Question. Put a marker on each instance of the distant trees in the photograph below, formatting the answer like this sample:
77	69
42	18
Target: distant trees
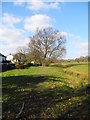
77	60
46	44
82	59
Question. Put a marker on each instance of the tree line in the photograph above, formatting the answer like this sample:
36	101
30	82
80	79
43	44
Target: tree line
78	60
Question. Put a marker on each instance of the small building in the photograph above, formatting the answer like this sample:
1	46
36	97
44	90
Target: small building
10	57
32	62
2	58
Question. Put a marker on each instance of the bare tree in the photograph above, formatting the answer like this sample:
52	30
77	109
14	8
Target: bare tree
22	49
49	43
20	56
35	56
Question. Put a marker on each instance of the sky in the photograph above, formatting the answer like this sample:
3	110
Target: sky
19	21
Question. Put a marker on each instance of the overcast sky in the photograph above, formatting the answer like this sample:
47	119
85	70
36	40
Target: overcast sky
20	20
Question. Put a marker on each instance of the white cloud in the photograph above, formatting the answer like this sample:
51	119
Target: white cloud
79	48
11	39
70	35
75	47
19	2
82	45
10	35
64	33
83	48
35	5
37	21
10	20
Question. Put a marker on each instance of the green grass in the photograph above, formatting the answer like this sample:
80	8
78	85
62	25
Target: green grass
35	86
81	68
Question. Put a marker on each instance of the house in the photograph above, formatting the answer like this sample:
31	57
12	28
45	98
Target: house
2	58
5	63
10	57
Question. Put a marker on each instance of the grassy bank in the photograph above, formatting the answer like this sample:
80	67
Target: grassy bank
57	91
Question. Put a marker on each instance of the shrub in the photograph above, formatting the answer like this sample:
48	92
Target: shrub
27	64
7	66
19	66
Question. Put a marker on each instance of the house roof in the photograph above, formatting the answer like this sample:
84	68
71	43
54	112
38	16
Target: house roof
9	54
2	55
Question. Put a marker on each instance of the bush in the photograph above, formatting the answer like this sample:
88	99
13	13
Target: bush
7	67
19	66
23	65
27	64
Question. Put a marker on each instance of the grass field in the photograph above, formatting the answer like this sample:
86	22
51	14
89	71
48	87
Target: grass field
57	91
